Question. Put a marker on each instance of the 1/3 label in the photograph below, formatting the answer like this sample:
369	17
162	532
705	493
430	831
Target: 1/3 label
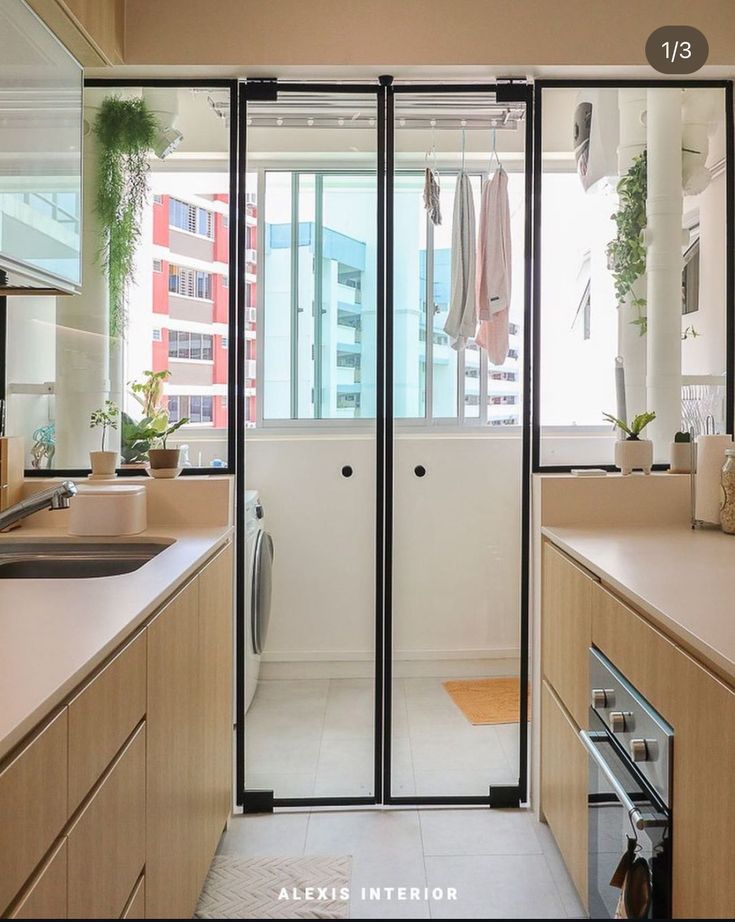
677	49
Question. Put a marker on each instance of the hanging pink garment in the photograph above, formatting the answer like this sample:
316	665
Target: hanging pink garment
494	268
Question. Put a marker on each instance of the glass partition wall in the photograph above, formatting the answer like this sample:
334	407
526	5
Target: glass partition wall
158	344
633	267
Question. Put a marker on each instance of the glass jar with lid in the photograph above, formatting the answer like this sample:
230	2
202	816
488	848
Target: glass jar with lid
727	503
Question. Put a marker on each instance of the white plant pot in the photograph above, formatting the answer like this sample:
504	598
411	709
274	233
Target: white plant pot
634	455
681	458
103	463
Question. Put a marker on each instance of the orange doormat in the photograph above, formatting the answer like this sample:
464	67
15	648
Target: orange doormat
487	701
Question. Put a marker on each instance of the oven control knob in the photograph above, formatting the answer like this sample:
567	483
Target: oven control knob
603	697
639	750
617	721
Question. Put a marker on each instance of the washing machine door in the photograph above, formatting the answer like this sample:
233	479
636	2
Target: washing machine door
260	607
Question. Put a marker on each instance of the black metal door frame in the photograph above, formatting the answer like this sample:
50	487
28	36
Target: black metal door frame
510	90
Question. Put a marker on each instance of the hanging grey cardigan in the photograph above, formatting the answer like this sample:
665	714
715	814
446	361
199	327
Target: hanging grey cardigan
462	320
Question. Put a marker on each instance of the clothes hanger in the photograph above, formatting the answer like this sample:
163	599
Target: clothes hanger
495	150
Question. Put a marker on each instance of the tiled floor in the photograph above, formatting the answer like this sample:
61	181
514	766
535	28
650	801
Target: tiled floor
315	738
502	864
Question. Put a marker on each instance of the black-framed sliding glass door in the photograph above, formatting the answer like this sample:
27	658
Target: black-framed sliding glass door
385	491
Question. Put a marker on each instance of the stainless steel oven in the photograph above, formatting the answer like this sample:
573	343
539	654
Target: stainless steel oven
629	795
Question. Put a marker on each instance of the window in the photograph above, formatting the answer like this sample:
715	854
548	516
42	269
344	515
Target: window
156	335
197	408
157	265
190	218
225	280
184	345
192	283
158	200
225	342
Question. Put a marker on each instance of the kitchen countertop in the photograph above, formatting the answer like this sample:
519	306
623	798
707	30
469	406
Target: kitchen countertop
54	632
682	580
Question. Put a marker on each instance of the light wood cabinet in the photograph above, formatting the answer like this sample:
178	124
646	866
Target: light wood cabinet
107	847
566	629
103	715
45	898
175	759
33	806
701	709
116	806
216	647
564	786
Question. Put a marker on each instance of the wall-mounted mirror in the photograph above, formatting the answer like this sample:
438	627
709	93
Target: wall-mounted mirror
633	273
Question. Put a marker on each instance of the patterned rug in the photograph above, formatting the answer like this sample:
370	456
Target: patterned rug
487	701
276	888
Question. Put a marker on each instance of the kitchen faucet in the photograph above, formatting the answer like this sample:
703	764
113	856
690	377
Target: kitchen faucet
54	498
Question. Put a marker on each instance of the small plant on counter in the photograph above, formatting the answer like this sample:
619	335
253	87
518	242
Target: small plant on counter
139	436
637	425
104	419
170	431
166	462
683	437
102	462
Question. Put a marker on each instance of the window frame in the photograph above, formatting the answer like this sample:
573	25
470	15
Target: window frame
437	424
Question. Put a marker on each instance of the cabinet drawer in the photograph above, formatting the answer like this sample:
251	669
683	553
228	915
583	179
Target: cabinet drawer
33	805
566	629
103	715
564	787
107	841
45	898
136	904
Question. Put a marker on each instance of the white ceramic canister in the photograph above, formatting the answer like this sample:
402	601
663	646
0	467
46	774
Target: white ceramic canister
106	510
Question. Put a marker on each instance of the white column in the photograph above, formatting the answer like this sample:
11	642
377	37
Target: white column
82	333
664	265
631	345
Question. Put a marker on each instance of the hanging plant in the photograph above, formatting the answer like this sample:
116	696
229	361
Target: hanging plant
125	129
626	254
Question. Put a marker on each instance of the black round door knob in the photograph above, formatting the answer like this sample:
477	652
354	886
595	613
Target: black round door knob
420	470
347	470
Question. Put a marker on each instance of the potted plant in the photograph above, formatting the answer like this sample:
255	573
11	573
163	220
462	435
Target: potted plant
166	462
633	452
138	436
104	462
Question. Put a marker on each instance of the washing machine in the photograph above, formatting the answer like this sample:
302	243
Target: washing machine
258	590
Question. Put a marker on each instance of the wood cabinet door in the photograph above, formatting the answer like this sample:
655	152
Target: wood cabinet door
701	709
216	644
564	775
45	898
107	841
566	630
175	759
33	805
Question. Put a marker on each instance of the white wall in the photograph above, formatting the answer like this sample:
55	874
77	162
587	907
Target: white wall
456	562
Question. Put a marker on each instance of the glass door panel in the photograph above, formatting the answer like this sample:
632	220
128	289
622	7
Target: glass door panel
310	454
455	670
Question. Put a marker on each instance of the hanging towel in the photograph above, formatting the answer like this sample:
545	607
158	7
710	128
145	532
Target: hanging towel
432	195
494	268
461	323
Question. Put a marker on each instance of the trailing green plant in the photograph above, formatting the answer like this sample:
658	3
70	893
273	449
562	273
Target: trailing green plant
125	129
169	430
627	252
105	418
637	425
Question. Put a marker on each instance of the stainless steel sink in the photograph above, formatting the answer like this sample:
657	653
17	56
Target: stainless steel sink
74	560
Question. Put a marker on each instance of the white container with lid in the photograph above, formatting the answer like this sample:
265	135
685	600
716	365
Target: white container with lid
106	510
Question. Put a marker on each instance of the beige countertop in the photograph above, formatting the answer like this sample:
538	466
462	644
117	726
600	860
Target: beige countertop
682	580
54	632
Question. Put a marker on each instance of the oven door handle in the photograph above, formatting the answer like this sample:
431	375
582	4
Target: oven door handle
638	820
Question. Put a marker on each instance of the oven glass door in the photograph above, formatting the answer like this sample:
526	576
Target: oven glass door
610	828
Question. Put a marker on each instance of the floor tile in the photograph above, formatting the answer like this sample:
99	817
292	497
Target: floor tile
567	891
264	835
494	887
478	832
